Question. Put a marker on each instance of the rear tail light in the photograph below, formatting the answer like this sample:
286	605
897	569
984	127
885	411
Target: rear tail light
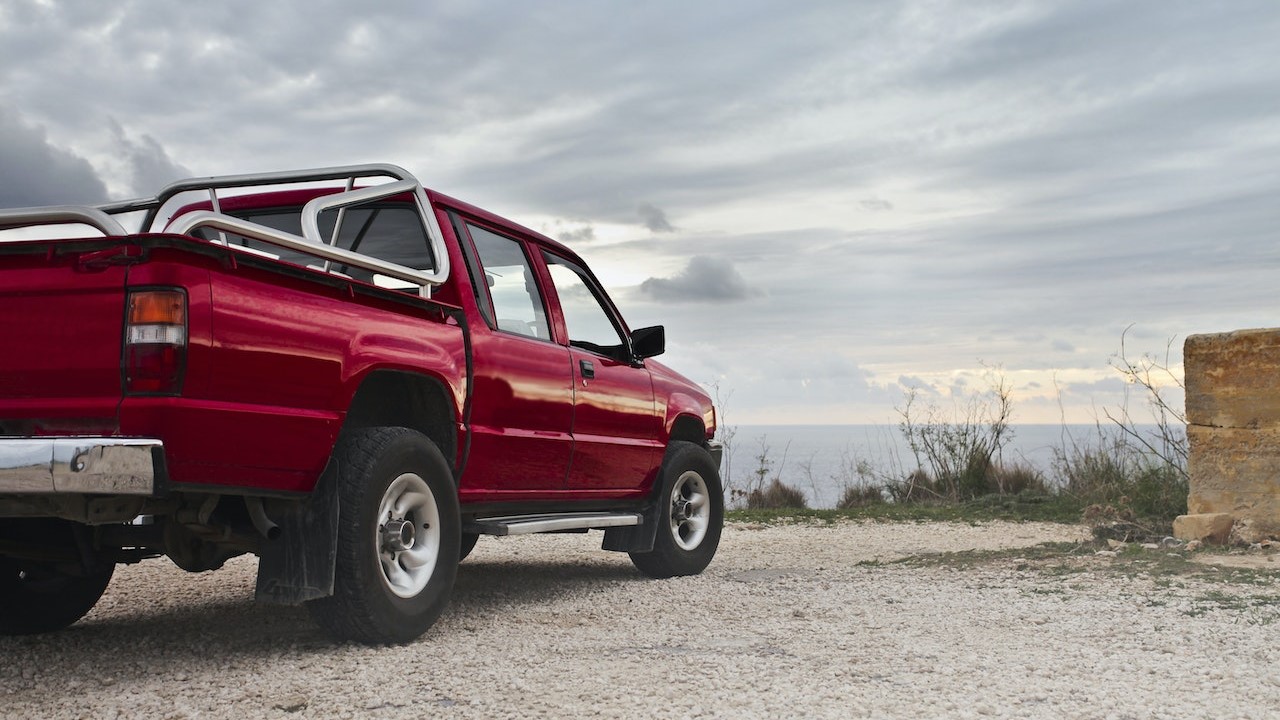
155	342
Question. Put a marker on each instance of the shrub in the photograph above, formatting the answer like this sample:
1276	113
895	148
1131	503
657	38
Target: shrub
958	451
1121	480
916	486
860	495
776	494
1019	479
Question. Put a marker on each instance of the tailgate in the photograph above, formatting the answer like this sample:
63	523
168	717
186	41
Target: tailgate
61	324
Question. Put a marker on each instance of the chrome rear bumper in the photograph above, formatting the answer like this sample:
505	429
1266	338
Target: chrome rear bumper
93	465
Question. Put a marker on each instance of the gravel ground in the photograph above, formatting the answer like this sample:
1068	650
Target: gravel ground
795	621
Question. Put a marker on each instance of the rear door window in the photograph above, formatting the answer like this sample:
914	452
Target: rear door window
516	301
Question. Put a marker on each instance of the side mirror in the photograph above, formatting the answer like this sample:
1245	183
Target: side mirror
648	342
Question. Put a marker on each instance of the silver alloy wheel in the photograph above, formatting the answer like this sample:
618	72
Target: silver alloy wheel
408	535
690	510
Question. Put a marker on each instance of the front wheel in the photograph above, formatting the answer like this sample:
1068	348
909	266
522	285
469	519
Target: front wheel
397	540
690	514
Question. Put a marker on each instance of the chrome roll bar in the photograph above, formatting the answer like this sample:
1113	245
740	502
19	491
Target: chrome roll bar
311	241
185	223
61	215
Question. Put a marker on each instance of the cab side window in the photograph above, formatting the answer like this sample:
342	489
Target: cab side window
513	289
588	321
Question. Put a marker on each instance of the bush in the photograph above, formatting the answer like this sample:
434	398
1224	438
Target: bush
857	496
957	452
1019	479
916	486
776	494
1121	480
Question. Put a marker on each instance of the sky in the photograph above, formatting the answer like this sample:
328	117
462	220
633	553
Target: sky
828	204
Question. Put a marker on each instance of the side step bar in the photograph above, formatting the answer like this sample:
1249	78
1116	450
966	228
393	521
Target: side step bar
526	524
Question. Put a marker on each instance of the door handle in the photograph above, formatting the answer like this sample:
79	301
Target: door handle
588	369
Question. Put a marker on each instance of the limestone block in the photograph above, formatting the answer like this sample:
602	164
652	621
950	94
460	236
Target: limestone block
1206	527
1235	471
1233	379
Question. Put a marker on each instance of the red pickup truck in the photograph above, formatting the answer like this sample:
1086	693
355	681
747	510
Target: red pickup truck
339	371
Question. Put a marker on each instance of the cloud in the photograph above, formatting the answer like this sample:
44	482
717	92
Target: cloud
704	279
1057	170
654	219
34	171
148	166
584	234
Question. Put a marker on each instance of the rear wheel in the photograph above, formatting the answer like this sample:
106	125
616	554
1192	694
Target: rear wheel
690	514
39	597
397	541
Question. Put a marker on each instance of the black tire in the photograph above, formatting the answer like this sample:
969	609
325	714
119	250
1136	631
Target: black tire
39	597
398	537
468	544
690	491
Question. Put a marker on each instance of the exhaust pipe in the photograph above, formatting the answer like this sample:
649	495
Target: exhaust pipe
261	522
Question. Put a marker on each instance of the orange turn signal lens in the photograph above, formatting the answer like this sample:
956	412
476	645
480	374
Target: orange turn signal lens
157	307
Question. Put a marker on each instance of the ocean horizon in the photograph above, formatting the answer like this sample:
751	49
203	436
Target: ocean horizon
821	459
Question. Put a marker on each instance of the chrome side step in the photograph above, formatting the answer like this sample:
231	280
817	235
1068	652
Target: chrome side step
526	524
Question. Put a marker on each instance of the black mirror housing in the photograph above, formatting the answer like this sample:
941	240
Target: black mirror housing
648	342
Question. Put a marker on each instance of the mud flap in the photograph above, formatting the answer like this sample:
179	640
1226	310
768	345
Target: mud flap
298	565
634	538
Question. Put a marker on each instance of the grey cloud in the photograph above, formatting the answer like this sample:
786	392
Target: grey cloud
33	171
653	218
1059	168
584	234
704	279
150	167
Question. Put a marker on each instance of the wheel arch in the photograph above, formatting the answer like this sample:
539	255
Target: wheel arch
399	398
300	565
688	418
687	428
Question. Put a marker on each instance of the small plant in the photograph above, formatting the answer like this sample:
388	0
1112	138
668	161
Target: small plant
859	496
1118	480
1167	443
776	494
765	489
957	452
1020	479
725	433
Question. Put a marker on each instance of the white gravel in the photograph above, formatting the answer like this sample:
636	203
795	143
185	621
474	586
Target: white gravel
794	621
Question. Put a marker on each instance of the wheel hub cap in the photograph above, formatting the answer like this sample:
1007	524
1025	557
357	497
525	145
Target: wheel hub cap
398	535
690	510
408	537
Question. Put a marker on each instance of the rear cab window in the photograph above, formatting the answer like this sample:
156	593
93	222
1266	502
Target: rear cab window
387	231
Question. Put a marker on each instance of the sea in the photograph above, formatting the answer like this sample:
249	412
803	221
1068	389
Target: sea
820	460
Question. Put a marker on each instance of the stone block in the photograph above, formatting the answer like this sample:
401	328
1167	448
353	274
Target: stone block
1235	471
1212	528
1233	379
